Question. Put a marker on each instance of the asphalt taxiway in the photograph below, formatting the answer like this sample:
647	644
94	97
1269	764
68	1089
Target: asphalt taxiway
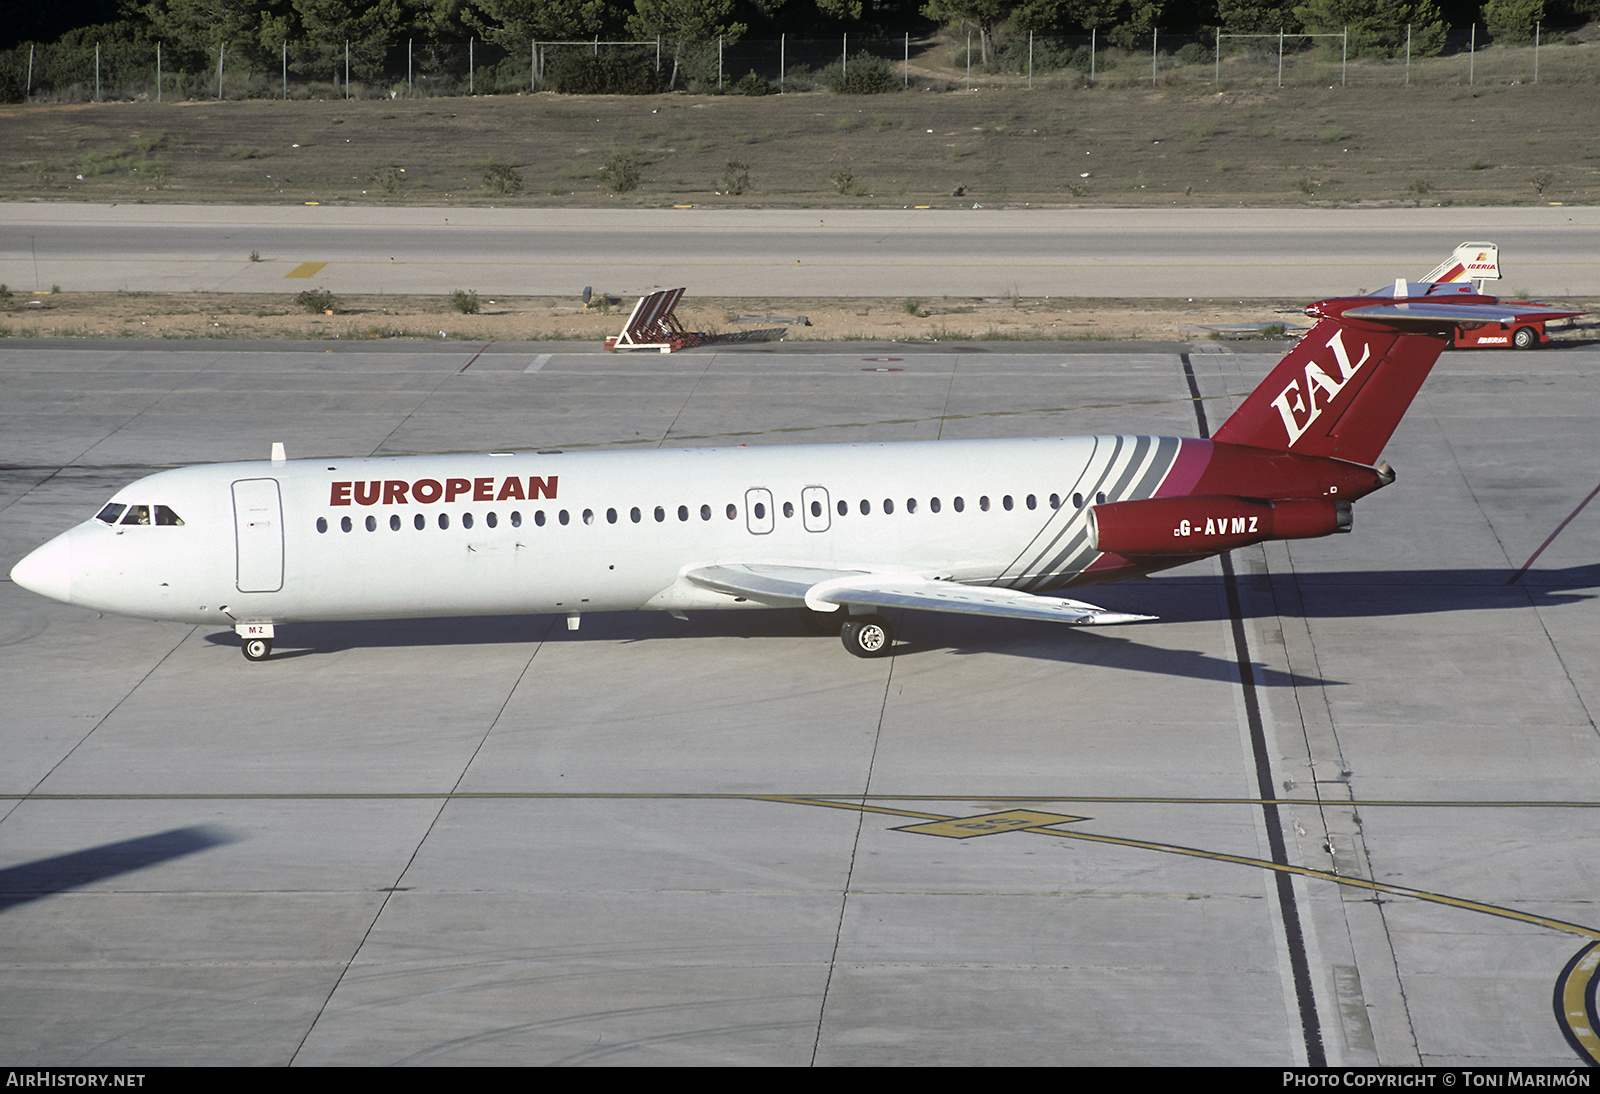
1213	253
1339	805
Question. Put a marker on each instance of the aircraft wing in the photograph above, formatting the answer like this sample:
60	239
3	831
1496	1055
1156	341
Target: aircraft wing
828	590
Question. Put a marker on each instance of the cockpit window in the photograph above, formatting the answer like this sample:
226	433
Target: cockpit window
167	516
110	513
137	514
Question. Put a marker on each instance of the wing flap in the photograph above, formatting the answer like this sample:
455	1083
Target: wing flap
830	590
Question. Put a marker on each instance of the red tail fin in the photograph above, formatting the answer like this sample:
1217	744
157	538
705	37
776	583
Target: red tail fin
1341	391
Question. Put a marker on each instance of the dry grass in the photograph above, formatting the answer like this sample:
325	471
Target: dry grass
1185	146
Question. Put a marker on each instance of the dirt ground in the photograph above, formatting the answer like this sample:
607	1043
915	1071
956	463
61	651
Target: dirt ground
227	315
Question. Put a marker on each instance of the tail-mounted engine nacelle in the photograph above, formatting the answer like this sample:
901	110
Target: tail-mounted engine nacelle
1204	525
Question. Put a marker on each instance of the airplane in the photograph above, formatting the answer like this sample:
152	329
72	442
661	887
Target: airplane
841	532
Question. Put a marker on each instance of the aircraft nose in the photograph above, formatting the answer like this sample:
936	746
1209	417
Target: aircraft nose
47	571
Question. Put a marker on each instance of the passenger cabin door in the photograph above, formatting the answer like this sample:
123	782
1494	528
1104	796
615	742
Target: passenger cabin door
258	531
814	508
758	510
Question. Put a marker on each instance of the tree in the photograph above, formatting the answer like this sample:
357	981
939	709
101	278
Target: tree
1377	27
515	23
1512	21
984	16
1256	16
684	25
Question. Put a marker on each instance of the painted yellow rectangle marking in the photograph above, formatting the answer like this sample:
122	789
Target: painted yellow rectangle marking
306	269
988	824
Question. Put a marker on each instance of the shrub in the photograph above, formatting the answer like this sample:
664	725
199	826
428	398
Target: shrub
736	177
753	84
502	178
864	75
465	301
316	301
615	73
622	173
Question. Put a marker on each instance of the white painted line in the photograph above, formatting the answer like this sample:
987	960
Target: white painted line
539	362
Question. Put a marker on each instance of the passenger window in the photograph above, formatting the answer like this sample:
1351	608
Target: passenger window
1005	502
322	524
911	505
961	505
394	522
933	503
866	507
816	508
444	521
420	522
1033	502
167	518
372	524
983	503
562	517
634	514
137	514
588	516
490	519
788	508
844	508
466	520
761	511
705	512
1077	501
1100	498
1055	501
660	514
110	513
888	505
611	516
683	512
733	512
344	524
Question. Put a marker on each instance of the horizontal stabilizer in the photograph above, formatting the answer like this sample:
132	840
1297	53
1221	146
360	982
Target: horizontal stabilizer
829	590
1432	312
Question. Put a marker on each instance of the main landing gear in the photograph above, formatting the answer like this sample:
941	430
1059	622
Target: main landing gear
867	635
257	640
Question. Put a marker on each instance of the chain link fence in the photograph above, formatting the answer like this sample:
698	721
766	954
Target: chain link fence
79	72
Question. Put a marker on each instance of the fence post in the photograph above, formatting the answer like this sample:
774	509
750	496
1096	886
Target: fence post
1344	57
719	58
1472	52
29	91
1092	32
844	58
158	69
1030	60
1536	53
1216	74
471	67
533	65
97	72
1153	34
1280	56
969	60
220	51
286	68
905	76
783	45
1408	54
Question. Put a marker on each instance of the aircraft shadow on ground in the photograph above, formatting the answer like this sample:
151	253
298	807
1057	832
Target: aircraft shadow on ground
1313	595
43	877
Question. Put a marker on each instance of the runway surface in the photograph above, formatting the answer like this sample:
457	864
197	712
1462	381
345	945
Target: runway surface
1216	253
725	841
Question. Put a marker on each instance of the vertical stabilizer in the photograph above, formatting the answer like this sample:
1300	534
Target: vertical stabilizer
1342	389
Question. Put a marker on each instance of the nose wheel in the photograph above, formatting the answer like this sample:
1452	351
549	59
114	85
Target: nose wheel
257	649
867	635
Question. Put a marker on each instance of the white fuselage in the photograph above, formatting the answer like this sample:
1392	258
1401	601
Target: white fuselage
302	540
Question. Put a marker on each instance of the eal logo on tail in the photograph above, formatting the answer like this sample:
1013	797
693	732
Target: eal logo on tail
1297	404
